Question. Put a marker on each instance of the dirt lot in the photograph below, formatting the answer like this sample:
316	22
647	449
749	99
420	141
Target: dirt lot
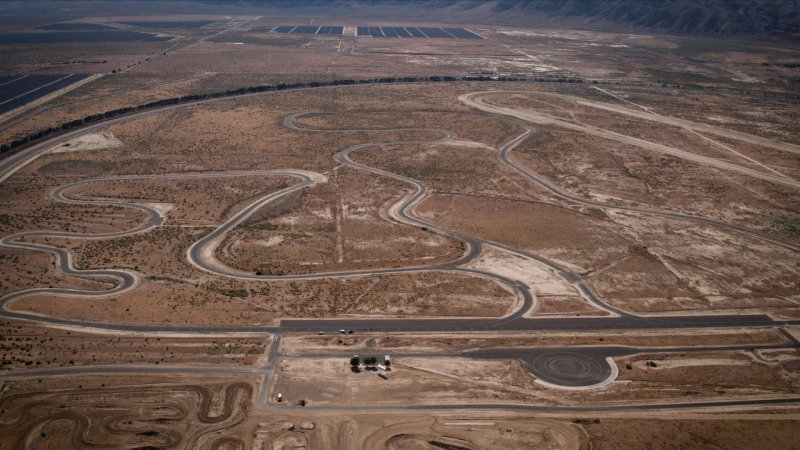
663	432
91	141
581	238
732	373
213	411
411	381
420	380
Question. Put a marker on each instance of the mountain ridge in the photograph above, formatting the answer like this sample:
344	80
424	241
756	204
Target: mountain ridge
707	17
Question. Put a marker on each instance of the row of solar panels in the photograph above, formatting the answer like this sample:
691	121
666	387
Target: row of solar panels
417	32
393	32
16	91
308	29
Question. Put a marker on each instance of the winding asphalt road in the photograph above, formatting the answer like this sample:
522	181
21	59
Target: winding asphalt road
404	213
201	254
124	280
477	100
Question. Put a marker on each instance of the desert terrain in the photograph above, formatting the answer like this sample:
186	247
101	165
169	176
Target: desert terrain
475	236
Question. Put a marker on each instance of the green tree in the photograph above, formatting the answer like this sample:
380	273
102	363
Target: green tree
355	361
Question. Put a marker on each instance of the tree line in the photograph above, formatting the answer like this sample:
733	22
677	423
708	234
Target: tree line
36	136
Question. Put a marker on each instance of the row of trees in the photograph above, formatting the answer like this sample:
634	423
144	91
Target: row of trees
194	98
368	361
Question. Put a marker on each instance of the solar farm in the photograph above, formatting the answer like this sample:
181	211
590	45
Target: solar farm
169	23
309	29
381	32
16	91
86	37
417	32
78	26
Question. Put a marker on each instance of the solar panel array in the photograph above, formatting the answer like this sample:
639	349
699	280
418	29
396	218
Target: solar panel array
170	23
461	33
92	36
331	30
305	29
72	26
309	29
389	32
417	32
16	91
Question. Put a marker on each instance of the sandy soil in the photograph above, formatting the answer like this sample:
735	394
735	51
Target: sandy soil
212	411
539	278
91	141
557	305
674	432
27	346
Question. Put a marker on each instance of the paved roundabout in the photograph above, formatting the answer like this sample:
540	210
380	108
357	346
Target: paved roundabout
563	367
570	369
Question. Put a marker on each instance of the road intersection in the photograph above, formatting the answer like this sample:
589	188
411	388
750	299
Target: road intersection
578	367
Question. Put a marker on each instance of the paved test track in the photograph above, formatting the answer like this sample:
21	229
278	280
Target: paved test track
560	367
476	100
480	101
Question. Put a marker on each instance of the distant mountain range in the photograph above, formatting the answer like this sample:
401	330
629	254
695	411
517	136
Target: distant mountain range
710	17
681	17
720	17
